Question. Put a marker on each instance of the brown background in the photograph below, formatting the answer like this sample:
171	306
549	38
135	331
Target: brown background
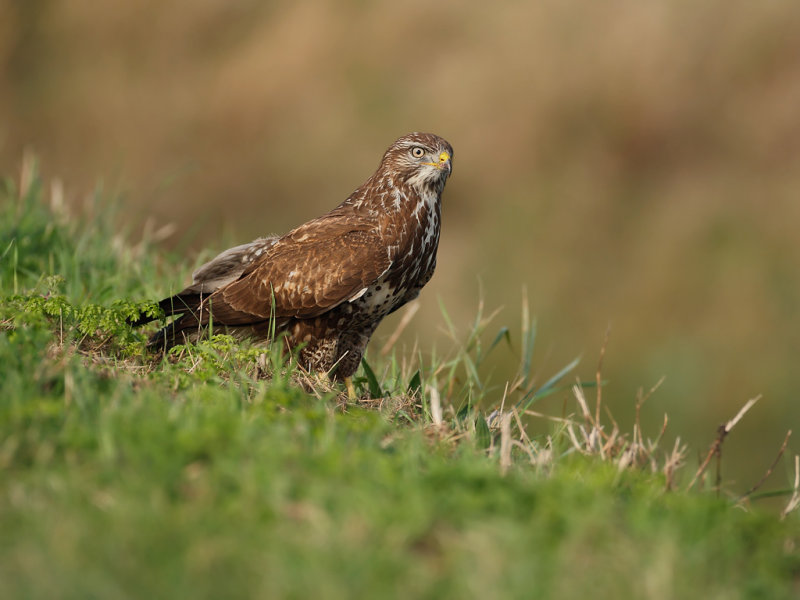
632	163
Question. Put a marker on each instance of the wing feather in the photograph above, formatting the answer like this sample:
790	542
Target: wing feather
307	272
227	266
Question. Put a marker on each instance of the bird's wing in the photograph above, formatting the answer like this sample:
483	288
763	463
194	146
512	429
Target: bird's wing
306	273
228	266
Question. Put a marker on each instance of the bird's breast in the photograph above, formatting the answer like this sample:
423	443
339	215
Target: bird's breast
414	248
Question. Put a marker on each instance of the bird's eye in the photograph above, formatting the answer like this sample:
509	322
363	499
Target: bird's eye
417	152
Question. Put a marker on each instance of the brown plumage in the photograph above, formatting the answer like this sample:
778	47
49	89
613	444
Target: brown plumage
329	282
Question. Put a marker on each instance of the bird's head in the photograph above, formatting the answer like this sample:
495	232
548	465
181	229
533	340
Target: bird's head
422	160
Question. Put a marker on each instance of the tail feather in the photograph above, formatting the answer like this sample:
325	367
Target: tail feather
174	305
173	333
184	306
220	271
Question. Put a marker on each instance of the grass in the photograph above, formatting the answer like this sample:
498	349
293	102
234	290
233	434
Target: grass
126	475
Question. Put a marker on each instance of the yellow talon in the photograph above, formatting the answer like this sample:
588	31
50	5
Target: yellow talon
351	391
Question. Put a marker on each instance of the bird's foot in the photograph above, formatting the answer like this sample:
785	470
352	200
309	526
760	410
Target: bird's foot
351	390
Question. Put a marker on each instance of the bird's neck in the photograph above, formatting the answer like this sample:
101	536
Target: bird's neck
416	220
405	215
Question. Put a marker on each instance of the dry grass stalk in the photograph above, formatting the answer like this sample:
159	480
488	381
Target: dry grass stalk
794	501
598	374
771	467
533	413
673	462
523	434
716	447
436	406
408	314
505	442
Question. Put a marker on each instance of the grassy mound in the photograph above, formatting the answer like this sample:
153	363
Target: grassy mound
221	471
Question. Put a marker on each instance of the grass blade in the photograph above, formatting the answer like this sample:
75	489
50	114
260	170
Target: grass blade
549	386
415	383
372	381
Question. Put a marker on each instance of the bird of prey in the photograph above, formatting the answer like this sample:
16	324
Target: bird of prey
327	284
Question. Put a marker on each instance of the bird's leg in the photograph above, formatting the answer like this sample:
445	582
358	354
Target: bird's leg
351	390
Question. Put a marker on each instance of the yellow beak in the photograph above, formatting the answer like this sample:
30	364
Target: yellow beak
444	159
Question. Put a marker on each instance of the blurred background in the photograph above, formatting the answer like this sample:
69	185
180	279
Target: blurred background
632	164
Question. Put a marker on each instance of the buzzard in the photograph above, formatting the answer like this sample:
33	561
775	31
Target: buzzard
327	284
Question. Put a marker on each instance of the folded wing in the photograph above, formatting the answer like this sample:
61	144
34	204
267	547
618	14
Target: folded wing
304	274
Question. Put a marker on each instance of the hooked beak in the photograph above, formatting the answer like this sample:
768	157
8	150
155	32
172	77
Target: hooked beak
444	162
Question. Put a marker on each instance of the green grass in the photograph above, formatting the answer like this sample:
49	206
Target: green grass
124	475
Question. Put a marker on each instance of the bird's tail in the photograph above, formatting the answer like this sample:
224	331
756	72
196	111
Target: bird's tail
174	305
172	334
183	306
